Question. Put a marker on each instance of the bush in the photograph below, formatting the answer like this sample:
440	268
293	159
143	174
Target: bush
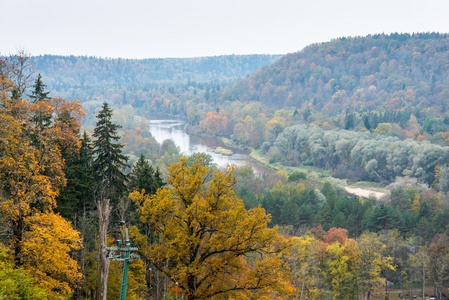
297	176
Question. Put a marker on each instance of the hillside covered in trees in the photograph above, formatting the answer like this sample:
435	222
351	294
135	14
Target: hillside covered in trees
377	72
145	84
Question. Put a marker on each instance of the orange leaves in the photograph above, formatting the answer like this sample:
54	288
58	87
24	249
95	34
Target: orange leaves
335	235
21	172
214	124
67	123
31	172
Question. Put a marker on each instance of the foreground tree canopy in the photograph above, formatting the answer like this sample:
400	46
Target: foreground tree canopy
205	239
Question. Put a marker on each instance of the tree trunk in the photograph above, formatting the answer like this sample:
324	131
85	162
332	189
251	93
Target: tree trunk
423	279
104	210
18	239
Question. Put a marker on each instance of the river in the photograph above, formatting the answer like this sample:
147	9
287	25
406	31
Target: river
174	129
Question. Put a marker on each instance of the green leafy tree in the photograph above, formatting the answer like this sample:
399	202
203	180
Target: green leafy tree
15	284
297	176
432	125
383	128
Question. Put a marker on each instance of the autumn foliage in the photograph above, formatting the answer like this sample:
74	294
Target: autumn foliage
32	136
206	241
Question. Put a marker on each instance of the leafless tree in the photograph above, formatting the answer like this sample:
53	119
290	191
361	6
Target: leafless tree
104	211
20	70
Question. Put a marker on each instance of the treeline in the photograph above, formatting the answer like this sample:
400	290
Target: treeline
381	154
413	211
82	71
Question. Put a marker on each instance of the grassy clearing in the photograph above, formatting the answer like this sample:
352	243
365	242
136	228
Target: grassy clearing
312	172
317	174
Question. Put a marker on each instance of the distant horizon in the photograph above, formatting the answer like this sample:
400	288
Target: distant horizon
141	29
126	58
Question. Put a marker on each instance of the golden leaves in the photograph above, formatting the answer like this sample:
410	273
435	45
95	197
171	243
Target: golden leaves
46	249
206	240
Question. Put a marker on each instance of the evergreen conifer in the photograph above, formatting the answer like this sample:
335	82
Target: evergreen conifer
38	93
109	163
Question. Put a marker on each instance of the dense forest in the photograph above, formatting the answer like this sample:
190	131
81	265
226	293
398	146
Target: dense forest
206	233
377	72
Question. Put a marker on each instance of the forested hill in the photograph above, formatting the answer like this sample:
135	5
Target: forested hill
61	73
377	72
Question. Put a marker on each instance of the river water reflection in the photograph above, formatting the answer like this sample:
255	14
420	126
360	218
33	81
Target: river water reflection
174	129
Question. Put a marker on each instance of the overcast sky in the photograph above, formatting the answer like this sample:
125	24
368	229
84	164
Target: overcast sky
191	28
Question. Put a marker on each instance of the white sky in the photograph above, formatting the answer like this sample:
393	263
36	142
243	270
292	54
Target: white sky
191	28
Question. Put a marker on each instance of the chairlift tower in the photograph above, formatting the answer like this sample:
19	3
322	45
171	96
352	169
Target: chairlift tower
122	252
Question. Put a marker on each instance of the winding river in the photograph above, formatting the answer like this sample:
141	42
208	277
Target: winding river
174	129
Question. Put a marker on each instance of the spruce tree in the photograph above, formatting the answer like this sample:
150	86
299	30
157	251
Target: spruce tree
157	180
144	177
85	176
76	197
42	118
38	94
141	176
109	162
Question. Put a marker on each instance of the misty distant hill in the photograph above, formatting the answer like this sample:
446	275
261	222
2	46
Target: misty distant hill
62	73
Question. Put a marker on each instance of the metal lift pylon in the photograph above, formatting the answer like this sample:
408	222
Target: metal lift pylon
124	254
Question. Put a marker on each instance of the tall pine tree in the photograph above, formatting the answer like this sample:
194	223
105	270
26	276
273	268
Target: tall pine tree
76	197
38	93
144	177
109	162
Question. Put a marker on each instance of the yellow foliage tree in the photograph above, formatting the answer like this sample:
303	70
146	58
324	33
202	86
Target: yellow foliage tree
341	269
372	263
305	265
205	239
383	128
416	204
46	248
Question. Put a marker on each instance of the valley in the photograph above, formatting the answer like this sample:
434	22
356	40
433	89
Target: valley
339	181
